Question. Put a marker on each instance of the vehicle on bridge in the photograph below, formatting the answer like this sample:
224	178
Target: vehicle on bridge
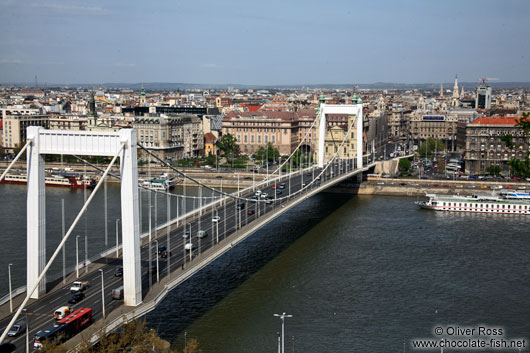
241	205
117	293
52	334
62	312
78	286
202	234
76	298
17	329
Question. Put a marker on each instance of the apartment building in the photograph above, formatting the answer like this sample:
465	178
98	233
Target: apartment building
484	147
15	125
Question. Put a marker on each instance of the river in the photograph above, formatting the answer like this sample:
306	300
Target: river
358	274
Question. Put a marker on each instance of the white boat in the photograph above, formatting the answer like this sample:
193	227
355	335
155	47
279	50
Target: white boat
496	203
154	184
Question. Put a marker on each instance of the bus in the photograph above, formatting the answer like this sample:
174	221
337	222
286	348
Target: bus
50	334
66	328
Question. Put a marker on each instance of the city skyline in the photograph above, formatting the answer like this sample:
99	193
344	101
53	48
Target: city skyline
280	43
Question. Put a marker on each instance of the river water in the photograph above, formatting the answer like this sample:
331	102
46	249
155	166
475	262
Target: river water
358	274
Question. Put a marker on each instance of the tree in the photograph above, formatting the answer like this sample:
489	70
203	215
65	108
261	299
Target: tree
429	146
494	170
518	167
404	164
228	144
268	153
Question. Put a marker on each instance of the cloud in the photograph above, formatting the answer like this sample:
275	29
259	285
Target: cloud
10	61
123	65
70	8
210	65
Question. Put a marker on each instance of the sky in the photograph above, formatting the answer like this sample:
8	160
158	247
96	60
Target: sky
273	42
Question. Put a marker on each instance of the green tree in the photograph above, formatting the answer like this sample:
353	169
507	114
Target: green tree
430	145
228	144
404	164
518	167
494	170
269	152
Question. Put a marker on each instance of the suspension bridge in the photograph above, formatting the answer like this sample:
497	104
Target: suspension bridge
190	241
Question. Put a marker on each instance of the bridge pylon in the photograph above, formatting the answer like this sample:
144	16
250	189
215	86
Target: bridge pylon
92	144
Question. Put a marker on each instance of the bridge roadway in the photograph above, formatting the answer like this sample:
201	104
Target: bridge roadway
40	312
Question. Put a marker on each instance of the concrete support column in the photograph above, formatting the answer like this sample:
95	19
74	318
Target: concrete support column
359	127
132	281
321	136
36	214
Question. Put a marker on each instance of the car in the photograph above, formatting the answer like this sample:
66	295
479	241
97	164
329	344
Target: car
250	212
202	234
17	329
275	186
380	183
7	347
254	197
247	178
240	205
189	246
402	184
219	177
279	192
62	312
264	195
186	234
269	200
165	254
282	185
258	192
216	218
118	272
77	297
446	186
161	249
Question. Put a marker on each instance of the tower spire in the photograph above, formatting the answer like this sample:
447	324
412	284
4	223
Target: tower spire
455	88
441	90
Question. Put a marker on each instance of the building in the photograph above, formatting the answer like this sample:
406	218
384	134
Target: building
283	129
170	137
209	144
68	122
484	147
14	132
483	98
438	126
336	133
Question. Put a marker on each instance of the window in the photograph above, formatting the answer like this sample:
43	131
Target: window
252	141
272	138
245	138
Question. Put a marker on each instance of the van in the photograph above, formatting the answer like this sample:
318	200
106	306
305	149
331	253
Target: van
117	293
61	312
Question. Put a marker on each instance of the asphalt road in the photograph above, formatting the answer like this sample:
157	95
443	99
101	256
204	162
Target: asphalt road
40	313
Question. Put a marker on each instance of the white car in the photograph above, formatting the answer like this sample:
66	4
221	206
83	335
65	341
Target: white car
188	246
258	192
216	218
263	195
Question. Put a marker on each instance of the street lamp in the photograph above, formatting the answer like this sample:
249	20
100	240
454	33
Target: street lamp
157	272
117	238
283	316
102	292
10	292
150	271
77	256
27	330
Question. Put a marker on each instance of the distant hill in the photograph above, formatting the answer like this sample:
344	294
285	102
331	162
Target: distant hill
162	86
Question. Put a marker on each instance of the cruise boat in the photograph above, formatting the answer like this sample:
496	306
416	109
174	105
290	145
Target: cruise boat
495	203
154	184
53	180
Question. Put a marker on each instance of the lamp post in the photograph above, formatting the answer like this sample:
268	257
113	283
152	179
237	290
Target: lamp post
77	256
10	291
102	292
85	264
27	330
157	272
283	316
117	238
150	250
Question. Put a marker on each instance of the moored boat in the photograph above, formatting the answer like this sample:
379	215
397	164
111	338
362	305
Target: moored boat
495	203
53	180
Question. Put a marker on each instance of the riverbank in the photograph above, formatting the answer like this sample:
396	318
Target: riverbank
420	187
